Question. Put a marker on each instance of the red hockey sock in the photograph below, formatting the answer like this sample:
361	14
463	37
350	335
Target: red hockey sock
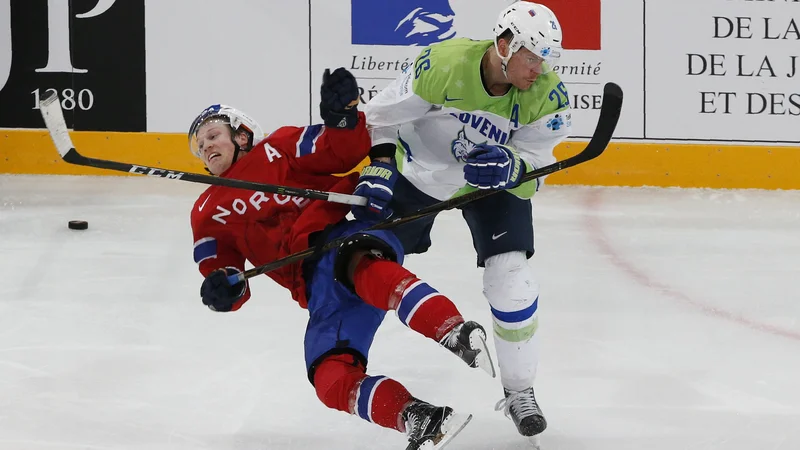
381	400
341	384
387	285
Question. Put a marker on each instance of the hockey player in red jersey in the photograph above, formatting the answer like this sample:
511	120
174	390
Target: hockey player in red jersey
347	291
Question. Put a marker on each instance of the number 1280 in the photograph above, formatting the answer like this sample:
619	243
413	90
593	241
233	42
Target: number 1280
84	100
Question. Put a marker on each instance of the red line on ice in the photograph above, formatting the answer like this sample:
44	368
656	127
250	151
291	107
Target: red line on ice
593	202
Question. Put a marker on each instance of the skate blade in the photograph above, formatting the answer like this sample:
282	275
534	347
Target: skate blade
535	443
450	429
477	340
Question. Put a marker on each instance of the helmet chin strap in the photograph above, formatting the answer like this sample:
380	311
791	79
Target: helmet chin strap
236	149
503	59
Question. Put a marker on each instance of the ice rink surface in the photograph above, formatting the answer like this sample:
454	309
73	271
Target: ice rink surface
669	320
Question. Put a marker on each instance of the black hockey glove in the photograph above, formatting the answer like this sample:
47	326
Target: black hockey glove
217	292
339	105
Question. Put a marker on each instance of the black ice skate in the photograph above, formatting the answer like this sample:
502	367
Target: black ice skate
468	342
431	427
522	408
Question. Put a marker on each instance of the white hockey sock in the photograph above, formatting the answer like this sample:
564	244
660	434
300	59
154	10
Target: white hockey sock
513	295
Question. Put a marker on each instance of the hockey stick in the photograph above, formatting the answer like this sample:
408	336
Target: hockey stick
606	124
57	126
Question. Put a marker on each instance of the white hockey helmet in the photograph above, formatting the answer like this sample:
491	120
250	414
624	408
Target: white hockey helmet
534	27
237	120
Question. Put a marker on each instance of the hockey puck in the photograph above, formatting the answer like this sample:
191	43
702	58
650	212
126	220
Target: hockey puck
78	225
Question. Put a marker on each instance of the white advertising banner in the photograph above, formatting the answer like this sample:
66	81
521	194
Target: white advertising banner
723	70
716	70
250	55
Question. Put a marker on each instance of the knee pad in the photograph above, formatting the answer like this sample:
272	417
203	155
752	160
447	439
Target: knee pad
381	243
513	295
336	379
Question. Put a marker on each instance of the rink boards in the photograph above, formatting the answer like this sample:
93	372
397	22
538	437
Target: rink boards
716	105
623	163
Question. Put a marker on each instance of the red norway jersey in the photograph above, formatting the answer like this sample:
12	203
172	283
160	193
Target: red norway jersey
233	225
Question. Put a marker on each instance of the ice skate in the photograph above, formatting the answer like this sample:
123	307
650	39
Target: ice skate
522	408
431	427
468	342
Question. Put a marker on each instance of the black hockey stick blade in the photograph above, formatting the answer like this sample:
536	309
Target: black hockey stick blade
54	120
609	117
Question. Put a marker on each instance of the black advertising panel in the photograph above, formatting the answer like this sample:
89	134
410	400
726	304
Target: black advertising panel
92	52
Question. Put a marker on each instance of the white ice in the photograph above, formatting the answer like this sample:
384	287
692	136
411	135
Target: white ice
669	320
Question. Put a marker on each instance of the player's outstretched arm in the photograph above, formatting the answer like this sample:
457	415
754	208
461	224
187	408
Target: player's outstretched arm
342	143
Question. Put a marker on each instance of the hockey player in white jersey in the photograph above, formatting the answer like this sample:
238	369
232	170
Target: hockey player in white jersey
478	115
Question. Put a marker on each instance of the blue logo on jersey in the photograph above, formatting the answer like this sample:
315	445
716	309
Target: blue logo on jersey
393	22
555	123
461	146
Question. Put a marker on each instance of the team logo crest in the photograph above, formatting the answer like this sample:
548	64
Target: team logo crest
559	121
462	146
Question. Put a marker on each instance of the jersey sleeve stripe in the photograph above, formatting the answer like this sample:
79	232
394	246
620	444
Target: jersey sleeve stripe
308	140
204	249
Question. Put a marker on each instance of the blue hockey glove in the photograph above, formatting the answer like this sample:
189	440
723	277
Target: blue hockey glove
339	93
377	185
217	292
493	167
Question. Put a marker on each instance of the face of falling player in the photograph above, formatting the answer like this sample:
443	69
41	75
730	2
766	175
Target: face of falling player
523	68
215	145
